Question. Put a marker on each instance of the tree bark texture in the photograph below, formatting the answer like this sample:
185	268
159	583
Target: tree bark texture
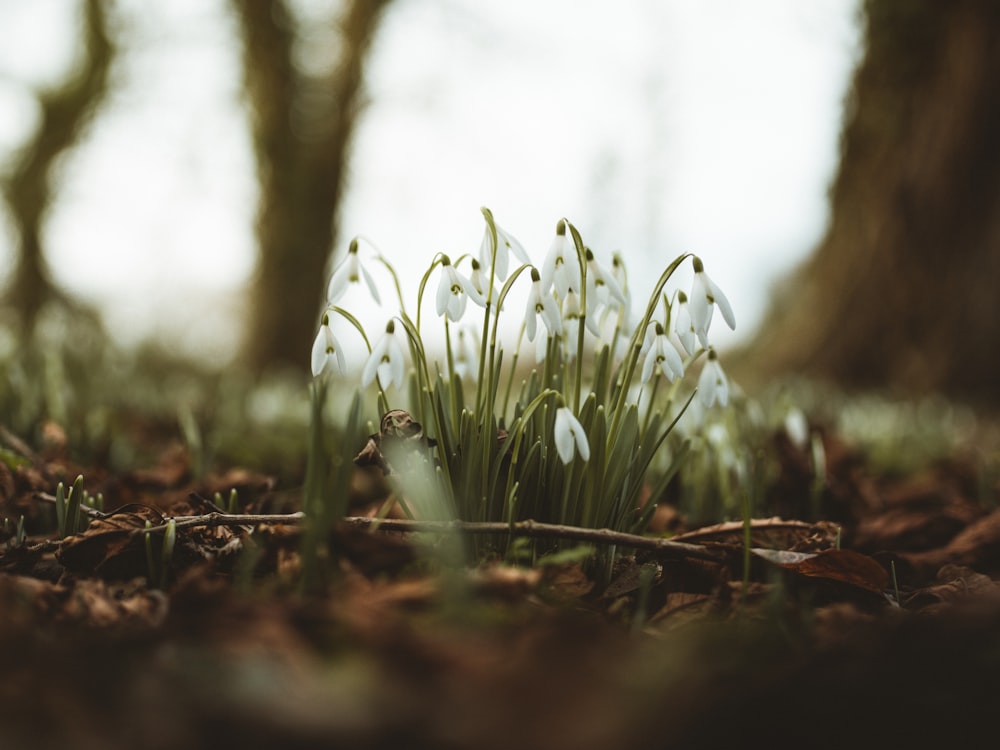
65	111
302	127
903	292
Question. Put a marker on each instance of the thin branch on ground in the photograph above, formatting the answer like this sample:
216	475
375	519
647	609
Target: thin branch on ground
548	530
527	528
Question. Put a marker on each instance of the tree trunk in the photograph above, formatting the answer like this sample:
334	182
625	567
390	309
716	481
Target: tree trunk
903	292
28	188
302	126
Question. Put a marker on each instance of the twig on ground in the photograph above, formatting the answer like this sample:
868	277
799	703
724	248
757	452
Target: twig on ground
666	547
549	530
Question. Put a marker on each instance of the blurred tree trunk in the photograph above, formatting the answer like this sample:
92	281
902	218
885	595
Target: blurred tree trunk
904	290
302	125
65	111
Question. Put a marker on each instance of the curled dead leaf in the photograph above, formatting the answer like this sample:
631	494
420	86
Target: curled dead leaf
840	565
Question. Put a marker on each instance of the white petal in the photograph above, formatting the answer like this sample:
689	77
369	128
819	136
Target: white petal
550	315
564	438
723	304
700	308
456	305
684	328
647	367
319	352
339	355
485	248
370	369
470	289
507	239
531	315
569	433
396	361
371	284
443	294
339	281
673	359
582	446
712	385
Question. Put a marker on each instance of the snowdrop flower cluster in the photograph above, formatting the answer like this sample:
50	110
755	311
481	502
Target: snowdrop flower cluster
492	434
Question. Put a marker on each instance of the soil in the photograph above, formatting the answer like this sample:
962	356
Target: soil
878	626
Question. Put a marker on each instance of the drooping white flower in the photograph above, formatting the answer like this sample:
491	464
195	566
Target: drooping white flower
506	243
480	280
454	291
713	387
796	427
705	296
540	302
623	313
385	361
561	268
602	286
569	436
662	357
571	316
326	352
683	326
350	271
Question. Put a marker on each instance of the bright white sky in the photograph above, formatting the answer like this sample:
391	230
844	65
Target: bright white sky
656	127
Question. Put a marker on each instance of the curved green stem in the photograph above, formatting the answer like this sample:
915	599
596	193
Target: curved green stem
635	345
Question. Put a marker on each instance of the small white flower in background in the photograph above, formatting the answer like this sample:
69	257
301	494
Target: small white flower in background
571	305
506	243
386	360
661	356
683	326
623	312
540	302
713	387
570	436
602	286
466	353
561	268
350	271
796	427
705	296
326	352
480	280
454	291
571	313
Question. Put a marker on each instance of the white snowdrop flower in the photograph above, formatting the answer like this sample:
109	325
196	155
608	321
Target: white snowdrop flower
326	352
541	303
662	357
506	243
570	437
623	313
705	296
571	305
386	360
713	387
350	271
571	313
796	427
683	326
561	268
454	291
602	286
480	280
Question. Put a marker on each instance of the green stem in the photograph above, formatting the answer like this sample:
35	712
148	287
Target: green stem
635	345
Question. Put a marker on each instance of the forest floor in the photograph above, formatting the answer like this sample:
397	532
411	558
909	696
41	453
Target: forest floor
878	626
